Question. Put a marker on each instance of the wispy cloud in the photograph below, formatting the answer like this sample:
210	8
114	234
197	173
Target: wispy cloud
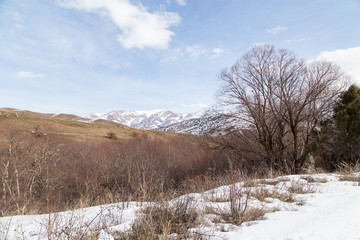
26	74
276	30
348	59
140	28
173	55
217	52
194	51
180	2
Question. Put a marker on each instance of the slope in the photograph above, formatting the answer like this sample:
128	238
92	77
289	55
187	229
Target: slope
72	127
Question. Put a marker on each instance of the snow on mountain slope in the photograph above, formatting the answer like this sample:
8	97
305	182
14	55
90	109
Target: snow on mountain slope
152	119
210	123
331	211
195	123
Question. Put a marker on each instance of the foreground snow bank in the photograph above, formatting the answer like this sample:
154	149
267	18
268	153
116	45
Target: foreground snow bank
331	211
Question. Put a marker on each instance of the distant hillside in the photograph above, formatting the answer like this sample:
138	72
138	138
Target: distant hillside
59	162
70	126
210	123
200	123
153	119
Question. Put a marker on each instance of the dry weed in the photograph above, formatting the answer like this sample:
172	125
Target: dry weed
262	193
311	179
164	219
298	187
350	178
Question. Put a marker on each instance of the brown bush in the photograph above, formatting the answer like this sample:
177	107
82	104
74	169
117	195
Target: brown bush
43	173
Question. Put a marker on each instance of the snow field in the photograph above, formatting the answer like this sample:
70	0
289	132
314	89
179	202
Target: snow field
298	207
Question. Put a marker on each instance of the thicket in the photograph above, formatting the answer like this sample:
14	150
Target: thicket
46	173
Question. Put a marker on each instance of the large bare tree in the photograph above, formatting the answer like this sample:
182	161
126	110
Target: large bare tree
282	99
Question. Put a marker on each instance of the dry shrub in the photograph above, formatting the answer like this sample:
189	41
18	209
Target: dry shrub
111	135
311	179
299	187
350	178
238	202
46	172
268	182
262	193
240	217
348	167
164	219
251	183
239	210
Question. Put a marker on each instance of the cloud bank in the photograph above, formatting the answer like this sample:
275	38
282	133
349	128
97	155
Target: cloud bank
140	28
348	59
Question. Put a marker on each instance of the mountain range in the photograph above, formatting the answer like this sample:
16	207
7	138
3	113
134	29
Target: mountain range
195	123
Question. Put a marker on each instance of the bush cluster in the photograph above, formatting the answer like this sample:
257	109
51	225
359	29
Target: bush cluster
46	173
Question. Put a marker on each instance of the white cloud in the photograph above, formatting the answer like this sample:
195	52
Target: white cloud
194	51
348	59
140	28
217	52
180	2
26	74
276	30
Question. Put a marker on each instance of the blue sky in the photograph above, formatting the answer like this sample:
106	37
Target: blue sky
80	56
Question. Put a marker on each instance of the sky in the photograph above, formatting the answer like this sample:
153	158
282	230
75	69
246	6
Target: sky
81	56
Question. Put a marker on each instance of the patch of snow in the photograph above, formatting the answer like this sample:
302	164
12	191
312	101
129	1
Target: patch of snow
331	212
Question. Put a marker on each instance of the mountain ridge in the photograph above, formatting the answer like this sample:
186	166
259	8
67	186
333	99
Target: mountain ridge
208	122
152	119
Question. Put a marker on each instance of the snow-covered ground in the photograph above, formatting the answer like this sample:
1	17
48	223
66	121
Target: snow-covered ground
330	210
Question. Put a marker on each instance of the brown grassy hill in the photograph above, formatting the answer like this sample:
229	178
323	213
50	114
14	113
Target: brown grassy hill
56	162
70	126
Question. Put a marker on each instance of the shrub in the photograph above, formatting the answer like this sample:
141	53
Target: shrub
111	135
164	219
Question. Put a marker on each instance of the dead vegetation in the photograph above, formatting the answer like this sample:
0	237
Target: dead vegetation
110	163
263	193
161	220
350	178
109	169
300	187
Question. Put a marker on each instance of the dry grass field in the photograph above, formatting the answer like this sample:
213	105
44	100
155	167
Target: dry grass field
73	127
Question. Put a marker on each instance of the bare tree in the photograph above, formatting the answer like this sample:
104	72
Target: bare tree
282	99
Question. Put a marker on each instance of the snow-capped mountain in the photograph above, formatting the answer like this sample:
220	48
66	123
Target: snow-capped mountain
201	123
152	119
210	123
